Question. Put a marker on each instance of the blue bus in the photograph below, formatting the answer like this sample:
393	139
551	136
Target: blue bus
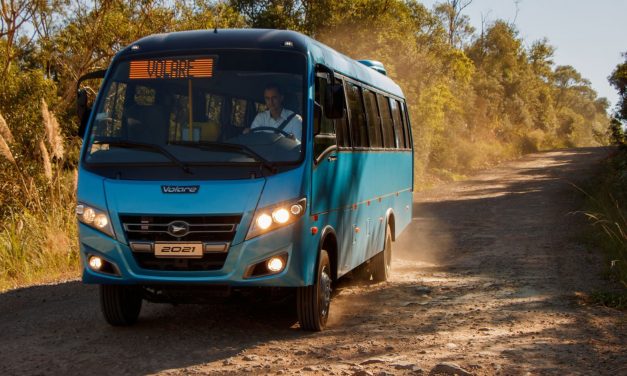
235	159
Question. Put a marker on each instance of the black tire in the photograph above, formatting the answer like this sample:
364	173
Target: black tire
120	304
382	262
312	302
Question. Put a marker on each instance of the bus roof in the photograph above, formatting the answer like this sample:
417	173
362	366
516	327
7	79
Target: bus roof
263	39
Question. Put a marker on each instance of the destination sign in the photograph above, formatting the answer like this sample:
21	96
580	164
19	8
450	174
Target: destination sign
171	69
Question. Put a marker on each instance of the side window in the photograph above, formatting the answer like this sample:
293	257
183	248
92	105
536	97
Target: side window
325	138
386	122
326	124
238	114
341	126
405	117
374	122
398	123
356	115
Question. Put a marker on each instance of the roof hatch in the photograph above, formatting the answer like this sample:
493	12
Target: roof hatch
376	65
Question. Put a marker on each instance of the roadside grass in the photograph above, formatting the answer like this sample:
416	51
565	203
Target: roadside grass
606	210
40	246
38	231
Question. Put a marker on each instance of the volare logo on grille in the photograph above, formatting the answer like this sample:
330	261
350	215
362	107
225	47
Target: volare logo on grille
180	188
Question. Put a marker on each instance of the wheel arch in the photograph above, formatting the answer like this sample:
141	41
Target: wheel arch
390	220
328	242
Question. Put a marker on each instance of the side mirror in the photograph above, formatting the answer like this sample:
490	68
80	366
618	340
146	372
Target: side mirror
334	101
82	111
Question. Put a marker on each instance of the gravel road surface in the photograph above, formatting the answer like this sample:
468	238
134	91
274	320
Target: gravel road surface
490	279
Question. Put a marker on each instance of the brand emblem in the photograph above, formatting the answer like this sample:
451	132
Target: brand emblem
180	188
178	229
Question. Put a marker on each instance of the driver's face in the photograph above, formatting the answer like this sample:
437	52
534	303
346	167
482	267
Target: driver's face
274	100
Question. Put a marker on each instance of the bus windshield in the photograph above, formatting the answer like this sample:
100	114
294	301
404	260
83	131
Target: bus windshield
207	109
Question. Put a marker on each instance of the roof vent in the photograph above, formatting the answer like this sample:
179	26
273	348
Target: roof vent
376	65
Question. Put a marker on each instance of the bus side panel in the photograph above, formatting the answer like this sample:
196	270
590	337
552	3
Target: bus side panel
353	194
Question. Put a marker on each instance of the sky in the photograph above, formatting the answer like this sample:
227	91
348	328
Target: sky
589	35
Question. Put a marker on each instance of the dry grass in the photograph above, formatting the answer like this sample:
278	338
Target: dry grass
38	235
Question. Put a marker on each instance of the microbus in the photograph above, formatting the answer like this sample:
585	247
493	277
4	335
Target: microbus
178	193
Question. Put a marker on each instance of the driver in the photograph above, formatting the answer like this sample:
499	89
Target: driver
276	116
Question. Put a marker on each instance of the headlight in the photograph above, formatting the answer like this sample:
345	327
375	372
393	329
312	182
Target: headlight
273	217
94	218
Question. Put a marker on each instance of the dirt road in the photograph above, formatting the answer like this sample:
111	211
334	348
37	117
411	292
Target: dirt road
488	277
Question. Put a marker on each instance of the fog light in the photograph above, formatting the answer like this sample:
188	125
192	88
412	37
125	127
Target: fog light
281	216
95	262
264	221
275	264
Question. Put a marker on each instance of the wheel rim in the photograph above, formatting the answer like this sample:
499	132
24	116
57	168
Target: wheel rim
325	292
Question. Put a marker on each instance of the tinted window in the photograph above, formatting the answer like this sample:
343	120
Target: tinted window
341	127
386	122
374	122
405	118
325	137
356	115
398	123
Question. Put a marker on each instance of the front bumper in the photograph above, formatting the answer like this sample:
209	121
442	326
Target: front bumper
233	272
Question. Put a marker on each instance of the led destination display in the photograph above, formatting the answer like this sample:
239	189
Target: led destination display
171	69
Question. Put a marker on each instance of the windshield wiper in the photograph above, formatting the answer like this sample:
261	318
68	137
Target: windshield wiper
242	149
143	145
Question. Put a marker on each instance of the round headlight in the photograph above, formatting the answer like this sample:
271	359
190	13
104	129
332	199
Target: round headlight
101	221
89	215
281	215
264	221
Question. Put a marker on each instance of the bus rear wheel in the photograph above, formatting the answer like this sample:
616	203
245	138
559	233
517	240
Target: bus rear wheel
120	304
312	302
383	260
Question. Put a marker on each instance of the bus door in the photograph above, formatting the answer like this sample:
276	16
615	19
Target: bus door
333	179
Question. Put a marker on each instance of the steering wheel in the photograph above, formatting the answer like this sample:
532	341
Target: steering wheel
272	129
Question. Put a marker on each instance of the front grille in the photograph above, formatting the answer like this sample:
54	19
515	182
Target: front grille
148	229
209	261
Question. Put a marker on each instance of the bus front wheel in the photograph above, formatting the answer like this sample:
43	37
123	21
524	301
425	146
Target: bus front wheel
383	260
120	304
312	302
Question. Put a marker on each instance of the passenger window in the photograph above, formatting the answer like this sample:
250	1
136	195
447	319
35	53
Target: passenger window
386	122
325	137
374	122
356	115
341	127
406	126
398	123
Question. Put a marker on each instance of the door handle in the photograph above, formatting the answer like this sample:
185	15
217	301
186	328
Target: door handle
332	158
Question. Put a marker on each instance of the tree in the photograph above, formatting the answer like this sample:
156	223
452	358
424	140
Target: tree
457	25
618	79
